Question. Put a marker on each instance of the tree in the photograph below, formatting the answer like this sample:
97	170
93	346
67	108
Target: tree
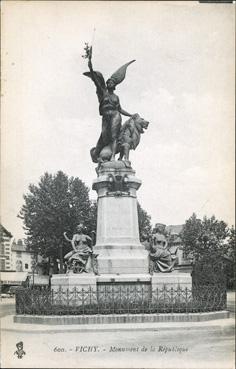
210	243
57	204
231	244
205	238
144	222
230	260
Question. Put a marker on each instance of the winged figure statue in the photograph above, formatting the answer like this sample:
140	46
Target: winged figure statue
109	106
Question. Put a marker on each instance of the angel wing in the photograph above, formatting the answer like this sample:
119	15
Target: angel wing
119	75
99	78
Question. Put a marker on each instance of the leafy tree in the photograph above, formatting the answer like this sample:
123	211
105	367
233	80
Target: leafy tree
205	237
208	242
231	244
57	204
230	260
144	221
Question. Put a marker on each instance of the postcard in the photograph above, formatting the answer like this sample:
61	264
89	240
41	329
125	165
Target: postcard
106	104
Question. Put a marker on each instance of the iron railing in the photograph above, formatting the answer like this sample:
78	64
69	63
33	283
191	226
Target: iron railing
120	299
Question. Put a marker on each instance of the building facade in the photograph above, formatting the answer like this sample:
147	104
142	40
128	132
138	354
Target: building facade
22	259
5	249
175	241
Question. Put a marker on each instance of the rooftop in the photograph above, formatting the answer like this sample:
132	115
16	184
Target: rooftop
174	229
4	231
19	246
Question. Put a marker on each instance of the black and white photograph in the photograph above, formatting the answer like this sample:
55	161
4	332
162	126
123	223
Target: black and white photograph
117	184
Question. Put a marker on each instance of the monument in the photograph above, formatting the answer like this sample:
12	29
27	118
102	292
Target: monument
118	255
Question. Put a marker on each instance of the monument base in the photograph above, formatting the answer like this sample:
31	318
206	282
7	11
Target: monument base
132	319
173	279
69	281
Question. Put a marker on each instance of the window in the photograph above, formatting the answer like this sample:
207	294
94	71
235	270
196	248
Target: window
2	249
2	264
26	266
19	266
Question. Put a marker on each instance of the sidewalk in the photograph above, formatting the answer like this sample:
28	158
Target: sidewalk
202	345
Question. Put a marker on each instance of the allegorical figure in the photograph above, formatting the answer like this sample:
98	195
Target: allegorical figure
77	259
109	106
162	260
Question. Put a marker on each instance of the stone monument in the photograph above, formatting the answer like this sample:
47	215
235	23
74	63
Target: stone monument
118	246
118	256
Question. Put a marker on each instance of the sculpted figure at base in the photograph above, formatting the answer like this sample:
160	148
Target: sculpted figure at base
161	258
79	258
109	106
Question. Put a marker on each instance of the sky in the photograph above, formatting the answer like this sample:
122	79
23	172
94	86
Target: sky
182	82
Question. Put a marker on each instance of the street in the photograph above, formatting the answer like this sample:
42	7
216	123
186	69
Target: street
192	348
7	307
209	345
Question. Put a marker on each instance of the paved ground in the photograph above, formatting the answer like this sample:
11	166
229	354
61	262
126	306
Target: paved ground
231	303
7	307
164	345
208	347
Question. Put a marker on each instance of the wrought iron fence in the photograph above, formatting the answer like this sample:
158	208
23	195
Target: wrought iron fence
120	299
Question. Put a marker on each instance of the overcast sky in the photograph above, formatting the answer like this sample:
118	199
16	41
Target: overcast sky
182	82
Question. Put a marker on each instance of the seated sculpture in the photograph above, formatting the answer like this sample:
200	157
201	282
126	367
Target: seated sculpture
78	259
161	258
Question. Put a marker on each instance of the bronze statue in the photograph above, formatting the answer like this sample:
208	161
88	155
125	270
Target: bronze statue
77	259
161	258
129	138
109	106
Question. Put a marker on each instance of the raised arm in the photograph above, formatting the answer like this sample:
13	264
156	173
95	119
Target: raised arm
71	241
93	75
67	238
91	66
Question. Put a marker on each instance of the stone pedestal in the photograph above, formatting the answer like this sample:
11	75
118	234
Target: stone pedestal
117	245
70	281
171	280
169	287
74	289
